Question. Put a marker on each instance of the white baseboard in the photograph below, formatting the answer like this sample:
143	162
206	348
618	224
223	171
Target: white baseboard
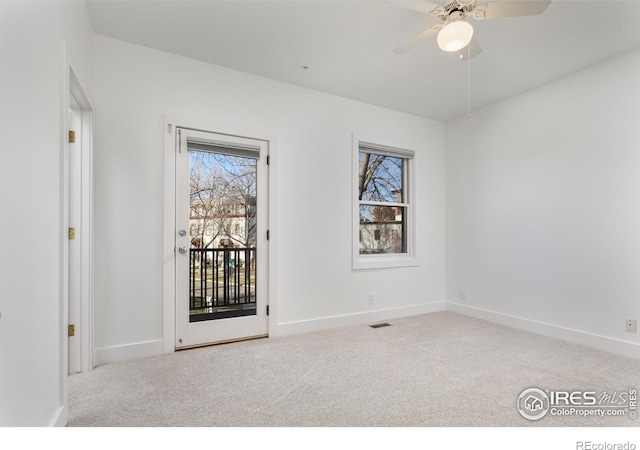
127	352
607	344
326	323
60	418
107	355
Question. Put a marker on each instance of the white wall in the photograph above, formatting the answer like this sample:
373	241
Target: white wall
31	96
543	218
135	87
542	199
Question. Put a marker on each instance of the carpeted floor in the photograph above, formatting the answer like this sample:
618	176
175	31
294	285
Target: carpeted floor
434	370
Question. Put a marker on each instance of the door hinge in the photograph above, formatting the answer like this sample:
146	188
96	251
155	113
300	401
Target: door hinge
268	235
268	160
179	141
72	136
71	331
170	128
72	233
267	310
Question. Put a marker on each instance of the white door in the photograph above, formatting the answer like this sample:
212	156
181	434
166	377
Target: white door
75	237
78	208
220	238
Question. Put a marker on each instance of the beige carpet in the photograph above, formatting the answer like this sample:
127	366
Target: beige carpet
433	370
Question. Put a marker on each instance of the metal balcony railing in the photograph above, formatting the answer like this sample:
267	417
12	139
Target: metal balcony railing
222	283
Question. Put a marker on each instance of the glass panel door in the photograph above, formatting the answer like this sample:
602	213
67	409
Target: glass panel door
221	248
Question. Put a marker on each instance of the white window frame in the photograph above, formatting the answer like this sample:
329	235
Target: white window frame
389	260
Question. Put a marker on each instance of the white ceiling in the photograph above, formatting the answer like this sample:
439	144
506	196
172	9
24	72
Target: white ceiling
348	46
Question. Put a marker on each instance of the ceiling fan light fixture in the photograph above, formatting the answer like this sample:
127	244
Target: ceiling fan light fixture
455	36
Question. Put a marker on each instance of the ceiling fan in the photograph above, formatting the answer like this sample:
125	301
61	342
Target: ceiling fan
454	32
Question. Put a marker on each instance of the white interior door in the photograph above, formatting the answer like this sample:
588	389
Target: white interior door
75	237
78	189
220	238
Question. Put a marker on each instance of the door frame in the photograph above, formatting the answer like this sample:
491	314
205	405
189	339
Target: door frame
70	86
169	254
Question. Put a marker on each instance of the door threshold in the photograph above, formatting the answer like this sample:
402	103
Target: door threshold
228	341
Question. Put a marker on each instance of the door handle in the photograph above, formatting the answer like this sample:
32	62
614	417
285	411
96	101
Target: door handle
182	249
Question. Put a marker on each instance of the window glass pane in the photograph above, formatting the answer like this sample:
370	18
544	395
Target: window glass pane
382	230
223	236
222	199
380	178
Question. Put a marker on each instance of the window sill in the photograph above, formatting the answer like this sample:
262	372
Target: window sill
364	262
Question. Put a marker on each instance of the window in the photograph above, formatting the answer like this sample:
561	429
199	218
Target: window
383	207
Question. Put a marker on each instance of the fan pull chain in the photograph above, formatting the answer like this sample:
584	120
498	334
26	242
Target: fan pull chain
469	81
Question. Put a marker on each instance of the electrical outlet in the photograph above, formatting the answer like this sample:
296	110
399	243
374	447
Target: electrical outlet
463	294
630	325
371	299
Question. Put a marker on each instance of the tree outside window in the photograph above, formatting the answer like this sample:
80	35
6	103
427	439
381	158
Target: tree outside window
383	202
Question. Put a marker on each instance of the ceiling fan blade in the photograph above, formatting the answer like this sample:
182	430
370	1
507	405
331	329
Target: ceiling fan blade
418	39
499	9
422	6
470	51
